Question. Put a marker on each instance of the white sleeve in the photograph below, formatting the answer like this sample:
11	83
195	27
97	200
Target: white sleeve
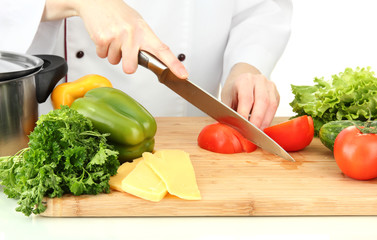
19	21
259	34
46	38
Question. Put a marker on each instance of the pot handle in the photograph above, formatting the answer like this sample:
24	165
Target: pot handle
54	69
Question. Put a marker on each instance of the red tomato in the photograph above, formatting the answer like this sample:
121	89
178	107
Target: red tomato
293	135
356	153
247	146
221	138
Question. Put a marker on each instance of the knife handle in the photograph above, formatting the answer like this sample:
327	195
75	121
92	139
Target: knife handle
150	62
142	59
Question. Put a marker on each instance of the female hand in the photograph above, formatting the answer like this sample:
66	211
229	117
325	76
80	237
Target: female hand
251	94
117	30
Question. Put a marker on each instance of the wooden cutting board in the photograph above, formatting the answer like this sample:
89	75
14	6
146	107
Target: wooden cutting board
253	184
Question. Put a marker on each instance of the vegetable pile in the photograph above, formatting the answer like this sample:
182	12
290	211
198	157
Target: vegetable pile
350	95
65	155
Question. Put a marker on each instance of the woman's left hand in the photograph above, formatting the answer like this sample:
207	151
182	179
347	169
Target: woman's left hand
251	94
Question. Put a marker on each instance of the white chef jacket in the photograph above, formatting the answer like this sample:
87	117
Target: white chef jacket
213	35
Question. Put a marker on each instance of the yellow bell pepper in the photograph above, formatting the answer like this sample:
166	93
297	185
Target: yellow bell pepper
66	93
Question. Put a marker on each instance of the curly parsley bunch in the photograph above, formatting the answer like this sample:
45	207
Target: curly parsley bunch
65	155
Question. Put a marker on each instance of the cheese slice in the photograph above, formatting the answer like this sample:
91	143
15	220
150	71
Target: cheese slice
143	182
123	170
175	169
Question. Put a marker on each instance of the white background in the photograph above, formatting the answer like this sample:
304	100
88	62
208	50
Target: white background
327	36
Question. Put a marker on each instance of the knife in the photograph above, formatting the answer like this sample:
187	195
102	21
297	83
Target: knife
210	105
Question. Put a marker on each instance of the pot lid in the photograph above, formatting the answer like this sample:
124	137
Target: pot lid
15	65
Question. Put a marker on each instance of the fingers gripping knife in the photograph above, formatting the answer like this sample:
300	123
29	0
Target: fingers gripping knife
210	105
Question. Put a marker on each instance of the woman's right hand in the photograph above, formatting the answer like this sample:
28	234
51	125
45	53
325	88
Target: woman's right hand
117	30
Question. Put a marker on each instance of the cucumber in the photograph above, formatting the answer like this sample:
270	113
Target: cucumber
329	131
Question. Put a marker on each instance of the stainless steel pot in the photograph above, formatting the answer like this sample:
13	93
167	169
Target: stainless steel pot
25	81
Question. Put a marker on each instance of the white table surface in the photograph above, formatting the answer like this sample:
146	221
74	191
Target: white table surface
14	225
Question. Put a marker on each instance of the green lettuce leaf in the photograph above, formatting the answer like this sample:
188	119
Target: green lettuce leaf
350	95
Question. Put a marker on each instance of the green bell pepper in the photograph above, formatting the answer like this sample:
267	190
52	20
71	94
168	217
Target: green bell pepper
131	127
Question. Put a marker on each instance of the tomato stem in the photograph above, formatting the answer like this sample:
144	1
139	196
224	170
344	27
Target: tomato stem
367	129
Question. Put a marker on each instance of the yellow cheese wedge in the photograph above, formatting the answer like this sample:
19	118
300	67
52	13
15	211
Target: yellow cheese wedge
175	169
143	182
123	170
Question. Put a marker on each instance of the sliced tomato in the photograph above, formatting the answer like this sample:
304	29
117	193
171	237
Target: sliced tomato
221	138
247	146
292	135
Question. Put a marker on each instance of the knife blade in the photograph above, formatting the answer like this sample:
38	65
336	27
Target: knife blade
210	105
